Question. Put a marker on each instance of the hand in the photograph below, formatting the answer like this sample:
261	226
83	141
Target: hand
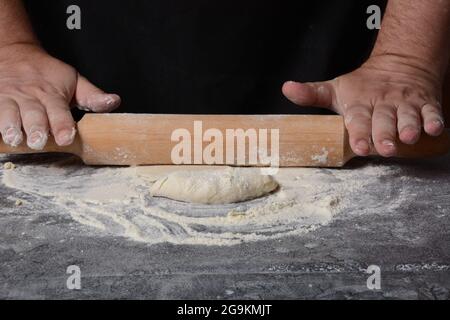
384	101
36	91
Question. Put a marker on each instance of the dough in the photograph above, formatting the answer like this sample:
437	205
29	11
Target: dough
9	166
225	185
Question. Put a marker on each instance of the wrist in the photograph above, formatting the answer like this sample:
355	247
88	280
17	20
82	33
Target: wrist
19	38
407	65
19	43
19	50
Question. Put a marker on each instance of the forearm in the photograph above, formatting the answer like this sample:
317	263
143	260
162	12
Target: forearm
14	24
417	32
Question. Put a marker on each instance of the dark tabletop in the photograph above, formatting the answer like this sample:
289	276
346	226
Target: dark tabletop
410	244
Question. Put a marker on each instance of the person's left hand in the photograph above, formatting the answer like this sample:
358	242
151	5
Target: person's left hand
383	102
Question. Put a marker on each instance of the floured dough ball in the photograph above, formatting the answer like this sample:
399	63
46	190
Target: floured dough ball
226	185
9	166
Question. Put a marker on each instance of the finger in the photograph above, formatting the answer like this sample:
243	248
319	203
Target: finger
60	119
384	130
409	124
35	123
90	98
318	94
10	123
433	119
359	125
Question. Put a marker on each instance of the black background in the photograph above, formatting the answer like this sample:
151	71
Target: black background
203	56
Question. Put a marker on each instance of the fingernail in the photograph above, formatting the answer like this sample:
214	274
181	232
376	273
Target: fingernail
292	82
112	100
439	122
362	146
410	135
65	137
37	140
13	137
321	90
389	144
83	108
99	101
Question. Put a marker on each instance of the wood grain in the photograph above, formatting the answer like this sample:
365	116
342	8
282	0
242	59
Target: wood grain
304	140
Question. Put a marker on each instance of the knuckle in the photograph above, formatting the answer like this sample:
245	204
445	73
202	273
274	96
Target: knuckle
358	128
35	113
413	93
44	90
382	131
8	89
429	108
30	89
407	92
7	103
385	113
32	108
63	118
410	113
359	112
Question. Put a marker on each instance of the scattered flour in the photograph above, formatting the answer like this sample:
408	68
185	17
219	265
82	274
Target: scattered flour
322	158
17	202
116	201
9	166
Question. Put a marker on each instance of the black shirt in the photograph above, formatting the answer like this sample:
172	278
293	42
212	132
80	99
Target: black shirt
203	56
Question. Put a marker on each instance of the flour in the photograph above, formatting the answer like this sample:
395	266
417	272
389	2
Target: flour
9	166
116	202
17	202
322	158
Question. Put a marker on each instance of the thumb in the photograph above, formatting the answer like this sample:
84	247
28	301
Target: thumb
314	94
90	98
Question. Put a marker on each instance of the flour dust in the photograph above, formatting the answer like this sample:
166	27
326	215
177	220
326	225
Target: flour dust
116	201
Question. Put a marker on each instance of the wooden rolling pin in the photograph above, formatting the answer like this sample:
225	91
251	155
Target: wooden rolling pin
304	140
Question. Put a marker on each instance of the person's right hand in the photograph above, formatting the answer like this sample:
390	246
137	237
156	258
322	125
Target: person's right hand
36	92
